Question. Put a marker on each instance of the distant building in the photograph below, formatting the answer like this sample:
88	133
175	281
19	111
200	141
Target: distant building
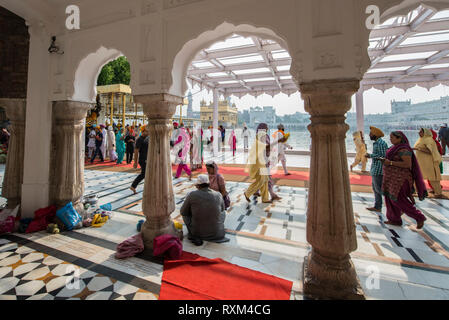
407	116
262	115
426	113
243	117
296	121
227	114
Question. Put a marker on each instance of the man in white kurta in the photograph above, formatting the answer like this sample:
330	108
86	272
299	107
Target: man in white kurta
280	147
111	144
91	144
245	136
105	140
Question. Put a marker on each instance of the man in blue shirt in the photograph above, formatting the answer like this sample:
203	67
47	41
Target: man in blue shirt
98	143
140	157
379	151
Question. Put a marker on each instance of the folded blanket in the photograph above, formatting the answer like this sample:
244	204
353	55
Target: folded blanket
167	246
130	247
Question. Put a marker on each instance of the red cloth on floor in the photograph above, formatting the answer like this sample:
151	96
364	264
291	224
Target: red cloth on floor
193	277
7	225
42	218
130	247
167	246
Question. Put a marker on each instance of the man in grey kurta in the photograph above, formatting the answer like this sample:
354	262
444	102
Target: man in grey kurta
204	214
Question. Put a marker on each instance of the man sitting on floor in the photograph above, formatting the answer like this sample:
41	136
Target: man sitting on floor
204	214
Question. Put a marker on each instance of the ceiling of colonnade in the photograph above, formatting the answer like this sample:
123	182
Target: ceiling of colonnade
405	51
243	65
410	50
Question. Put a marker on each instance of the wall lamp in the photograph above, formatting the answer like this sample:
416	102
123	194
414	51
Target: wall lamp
54	48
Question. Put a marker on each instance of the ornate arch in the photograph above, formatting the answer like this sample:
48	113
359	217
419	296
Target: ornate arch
88	70
190	49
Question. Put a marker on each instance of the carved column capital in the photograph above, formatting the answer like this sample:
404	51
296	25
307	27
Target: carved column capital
71	111
328	97
15	109
159	106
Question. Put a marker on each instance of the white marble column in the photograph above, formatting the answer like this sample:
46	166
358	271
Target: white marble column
360	112
67	153
36	171
13	178
158	198
328	270
215	123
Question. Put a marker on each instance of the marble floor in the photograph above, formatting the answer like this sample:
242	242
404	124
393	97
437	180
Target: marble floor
399	263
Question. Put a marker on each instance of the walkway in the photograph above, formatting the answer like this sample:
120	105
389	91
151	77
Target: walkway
268	238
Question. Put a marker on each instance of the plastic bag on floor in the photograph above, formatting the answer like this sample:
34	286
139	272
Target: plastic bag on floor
104	213
91	200
107	207
130	247
99	220
90	212
69	216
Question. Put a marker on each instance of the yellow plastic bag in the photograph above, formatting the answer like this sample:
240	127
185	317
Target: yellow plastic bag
98	221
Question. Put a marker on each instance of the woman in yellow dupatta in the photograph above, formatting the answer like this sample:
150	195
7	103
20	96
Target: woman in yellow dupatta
429	159
257	165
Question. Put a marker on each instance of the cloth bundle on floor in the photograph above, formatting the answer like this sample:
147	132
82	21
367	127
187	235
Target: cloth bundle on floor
42	218
130	247
7	220
24	223
7	225
167	246
193	277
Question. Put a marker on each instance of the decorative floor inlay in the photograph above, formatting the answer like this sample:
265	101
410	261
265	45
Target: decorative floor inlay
26	274
269	238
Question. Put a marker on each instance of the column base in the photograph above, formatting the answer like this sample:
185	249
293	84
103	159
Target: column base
148	234
13	203
34	197
335	287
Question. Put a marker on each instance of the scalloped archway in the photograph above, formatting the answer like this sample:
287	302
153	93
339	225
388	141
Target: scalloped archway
190	49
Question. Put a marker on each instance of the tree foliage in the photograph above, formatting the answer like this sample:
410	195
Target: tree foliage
115	72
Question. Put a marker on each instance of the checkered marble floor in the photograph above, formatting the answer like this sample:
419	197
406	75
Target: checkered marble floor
28	274
270	238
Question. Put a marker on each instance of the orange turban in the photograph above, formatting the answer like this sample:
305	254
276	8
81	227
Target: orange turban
376	132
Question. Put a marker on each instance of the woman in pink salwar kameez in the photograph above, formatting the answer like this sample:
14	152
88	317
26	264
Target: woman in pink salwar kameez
181	148
233	143
401	172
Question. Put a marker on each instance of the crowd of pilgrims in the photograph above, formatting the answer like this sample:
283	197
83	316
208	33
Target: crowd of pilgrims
398	172
115	142
203	210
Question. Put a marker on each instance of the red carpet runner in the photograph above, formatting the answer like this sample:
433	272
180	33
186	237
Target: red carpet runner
197	278
354	178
